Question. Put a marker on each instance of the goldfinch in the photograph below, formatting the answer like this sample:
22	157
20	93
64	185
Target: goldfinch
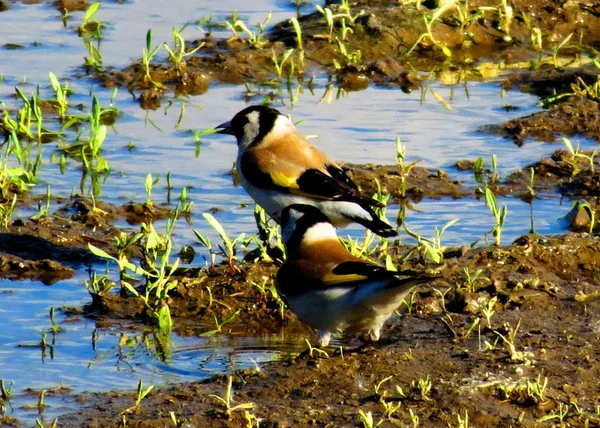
327	287
278	167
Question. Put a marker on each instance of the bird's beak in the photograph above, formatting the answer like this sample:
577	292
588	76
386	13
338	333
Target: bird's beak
224	128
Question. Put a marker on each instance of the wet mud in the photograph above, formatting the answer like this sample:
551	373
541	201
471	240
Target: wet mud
50	248
569	118
545	301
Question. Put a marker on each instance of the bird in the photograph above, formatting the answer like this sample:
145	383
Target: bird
327	287
278	167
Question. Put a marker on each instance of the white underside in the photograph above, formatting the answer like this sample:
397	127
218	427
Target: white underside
340	309
273	202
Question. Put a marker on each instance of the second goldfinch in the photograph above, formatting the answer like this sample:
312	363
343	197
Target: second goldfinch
278	167
327	287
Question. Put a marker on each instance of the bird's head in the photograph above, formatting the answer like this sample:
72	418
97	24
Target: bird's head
303	225
253	124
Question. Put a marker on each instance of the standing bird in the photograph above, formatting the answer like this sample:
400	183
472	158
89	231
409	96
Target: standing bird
327	287
278	167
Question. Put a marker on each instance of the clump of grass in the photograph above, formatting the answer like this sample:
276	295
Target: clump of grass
536	35
141	393
432	247
230	246
423	387
227	400
6	393
94	60
576	153
7	209
367	419
178	53
255	39
343	20
525	391
463	17
271	291
428	33
471	279
299	44
499	214
21	176
148	53
510	340
269	240
153	268
219	325
90	25
314	352
62	93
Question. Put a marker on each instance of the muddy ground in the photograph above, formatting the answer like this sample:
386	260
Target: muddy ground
532	313
542	321
546	305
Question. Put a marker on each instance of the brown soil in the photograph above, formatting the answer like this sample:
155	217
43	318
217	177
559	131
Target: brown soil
71	5
577	117
562	172
49	248
547	305
420	182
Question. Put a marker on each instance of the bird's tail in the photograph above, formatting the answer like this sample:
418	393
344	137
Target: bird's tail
388	296
375	224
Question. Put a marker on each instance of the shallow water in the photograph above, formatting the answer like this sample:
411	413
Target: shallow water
358	127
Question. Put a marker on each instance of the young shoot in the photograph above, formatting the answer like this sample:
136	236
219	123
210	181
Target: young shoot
227	401
429	20
530	188
499	214
313	349
256	40
229	247
149	185
147	54
90	25
279	63
576	153
62	94
433	247
299	45
178	53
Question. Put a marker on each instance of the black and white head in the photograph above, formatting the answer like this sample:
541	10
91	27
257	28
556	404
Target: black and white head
251	125
303	225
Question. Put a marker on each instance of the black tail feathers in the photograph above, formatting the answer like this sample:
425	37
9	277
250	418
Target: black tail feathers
376	225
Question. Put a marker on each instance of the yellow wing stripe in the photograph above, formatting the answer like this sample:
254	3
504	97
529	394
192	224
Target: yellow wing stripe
333	279
290	183
282	180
